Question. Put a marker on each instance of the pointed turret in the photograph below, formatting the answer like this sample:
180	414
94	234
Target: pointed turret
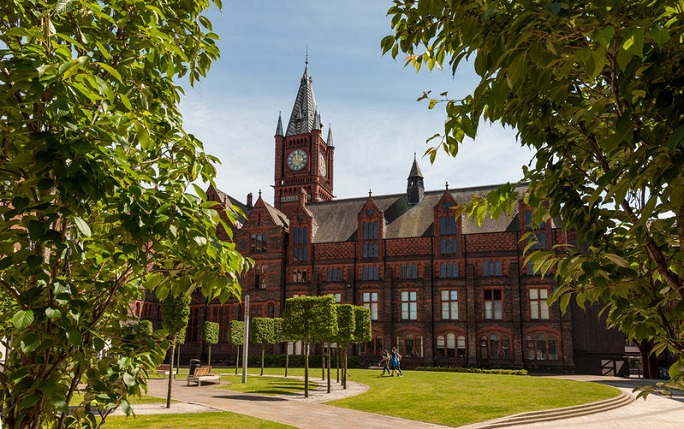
415	188
279	127
330	139
303	117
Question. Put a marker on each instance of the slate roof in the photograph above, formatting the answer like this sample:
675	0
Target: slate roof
227	200
338	220
305	115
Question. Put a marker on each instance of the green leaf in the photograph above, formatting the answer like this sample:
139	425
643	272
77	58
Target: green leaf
82	226
22	319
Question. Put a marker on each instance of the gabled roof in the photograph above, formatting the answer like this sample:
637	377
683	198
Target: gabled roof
279	218
338	220
227	200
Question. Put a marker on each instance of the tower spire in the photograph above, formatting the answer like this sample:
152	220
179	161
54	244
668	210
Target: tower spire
303	116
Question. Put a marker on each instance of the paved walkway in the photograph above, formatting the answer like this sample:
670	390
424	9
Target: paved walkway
310	413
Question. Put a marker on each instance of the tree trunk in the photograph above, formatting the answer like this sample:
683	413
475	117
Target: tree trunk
168	394
329	387
323	363
337	361
237	360
287	357
209	360
263	354
306	369
344	368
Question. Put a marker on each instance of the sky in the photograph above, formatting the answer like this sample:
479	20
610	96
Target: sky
369	101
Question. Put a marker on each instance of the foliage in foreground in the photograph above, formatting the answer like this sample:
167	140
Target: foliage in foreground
95	170
594	89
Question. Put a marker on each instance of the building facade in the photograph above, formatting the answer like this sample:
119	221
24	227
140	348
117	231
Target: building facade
443	289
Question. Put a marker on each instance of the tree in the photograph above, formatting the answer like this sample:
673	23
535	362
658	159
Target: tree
363	325
262	331
175	317
236	337
594	89
211	336
346	327
180	339
95	173
310	319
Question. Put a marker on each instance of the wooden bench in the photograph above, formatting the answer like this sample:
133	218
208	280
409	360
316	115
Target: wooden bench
202	374
164	369
375	367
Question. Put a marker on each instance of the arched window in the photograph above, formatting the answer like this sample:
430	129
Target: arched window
495	346
441	346
460	346
410	345
541	346
451	345
484	347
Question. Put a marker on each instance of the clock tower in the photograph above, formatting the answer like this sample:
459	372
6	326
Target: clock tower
303	158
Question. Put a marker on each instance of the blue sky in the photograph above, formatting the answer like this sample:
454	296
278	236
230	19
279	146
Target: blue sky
368	99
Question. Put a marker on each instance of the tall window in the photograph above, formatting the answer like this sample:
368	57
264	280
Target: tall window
371	348
370	301
300	239
259	243
449	305
408	271
410	345
493	304
260	277
495	346
409	306
448	270
370	232
333	274
448	243
491	268
451	345
539	309
369	272
541	346
460	346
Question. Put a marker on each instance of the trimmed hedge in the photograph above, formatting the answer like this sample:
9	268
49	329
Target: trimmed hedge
472	370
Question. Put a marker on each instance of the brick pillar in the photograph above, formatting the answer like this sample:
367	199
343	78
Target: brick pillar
518	312
471	297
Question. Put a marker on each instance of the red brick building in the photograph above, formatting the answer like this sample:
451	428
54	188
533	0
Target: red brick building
442	289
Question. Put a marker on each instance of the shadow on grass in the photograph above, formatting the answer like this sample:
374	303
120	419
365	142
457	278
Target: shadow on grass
256	397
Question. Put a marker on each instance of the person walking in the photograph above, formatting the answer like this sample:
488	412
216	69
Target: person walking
385	362
395	359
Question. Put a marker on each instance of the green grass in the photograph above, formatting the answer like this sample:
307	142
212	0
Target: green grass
223	420
450	399
266	385
456	399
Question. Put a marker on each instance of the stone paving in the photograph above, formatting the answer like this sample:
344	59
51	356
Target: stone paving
655	411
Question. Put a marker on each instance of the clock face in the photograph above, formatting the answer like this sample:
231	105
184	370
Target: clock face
297	159
321	164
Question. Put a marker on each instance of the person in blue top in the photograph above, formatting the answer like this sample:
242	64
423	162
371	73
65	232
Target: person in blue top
395	358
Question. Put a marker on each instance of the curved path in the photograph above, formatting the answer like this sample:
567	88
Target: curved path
655	411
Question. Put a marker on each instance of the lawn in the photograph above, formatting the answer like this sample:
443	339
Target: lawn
267	385
456	399
451	399
223	420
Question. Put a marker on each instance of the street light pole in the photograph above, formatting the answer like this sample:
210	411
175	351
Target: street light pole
245	347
